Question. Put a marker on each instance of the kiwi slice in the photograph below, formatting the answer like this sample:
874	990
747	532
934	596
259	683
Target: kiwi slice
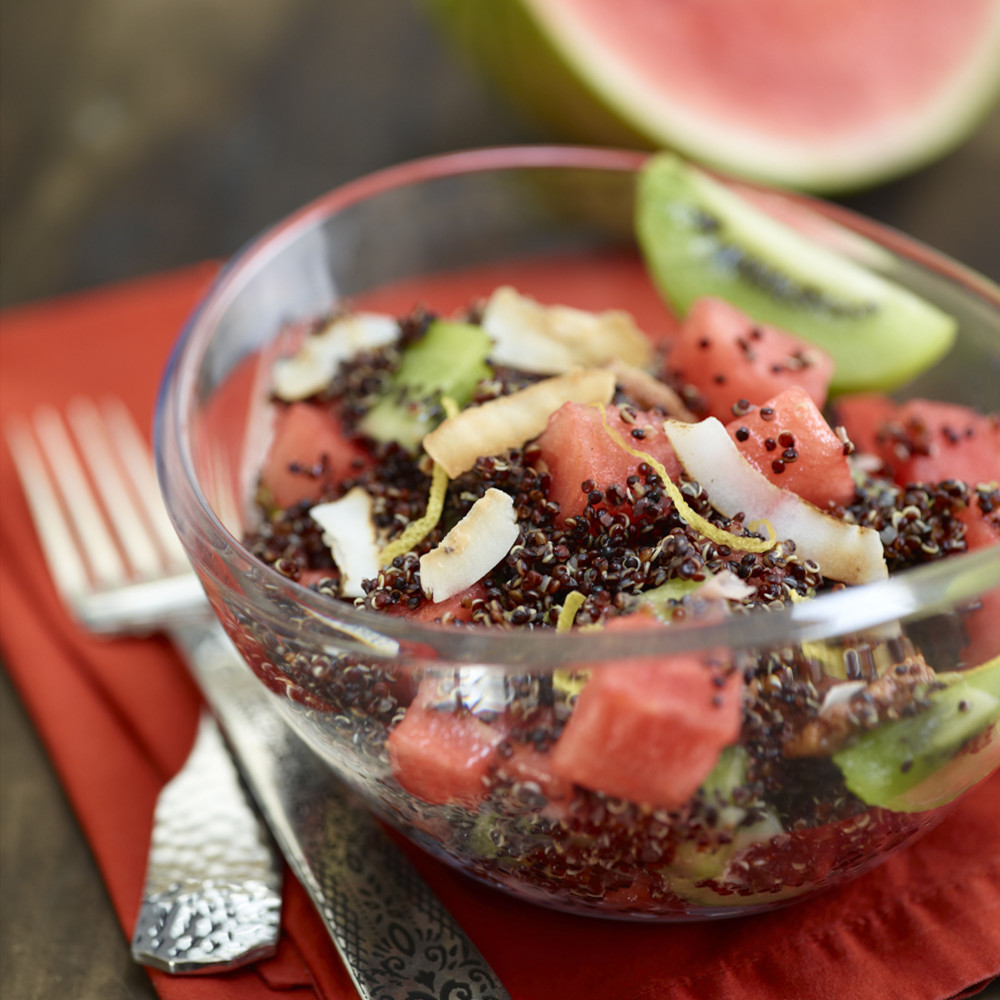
898	765
693	863
448	360
701	238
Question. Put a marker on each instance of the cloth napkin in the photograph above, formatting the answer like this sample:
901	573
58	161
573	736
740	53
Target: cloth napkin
118	718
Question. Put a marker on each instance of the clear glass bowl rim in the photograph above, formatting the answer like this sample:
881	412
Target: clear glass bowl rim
913	593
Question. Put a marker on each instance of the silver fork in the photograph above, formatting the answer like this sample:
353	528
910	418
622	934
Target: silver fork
212	894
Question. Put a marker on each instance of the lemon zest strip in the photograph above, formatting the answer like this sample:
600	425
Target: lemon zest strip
572	604
692	517
416	531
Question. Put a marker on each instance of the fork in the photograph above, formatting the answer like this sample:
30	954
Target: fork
212	893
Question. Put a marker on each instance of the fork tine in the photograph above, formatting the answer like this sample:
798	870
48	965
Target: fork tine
68	570
115	492
78	500
138	463
91	553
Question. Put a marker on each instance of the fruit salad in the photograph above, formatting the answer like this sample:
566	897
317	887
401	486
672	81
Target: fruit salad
529	465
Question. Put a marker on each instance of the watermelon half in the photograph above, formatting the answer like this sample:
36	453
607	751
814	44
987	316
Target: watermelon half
822	95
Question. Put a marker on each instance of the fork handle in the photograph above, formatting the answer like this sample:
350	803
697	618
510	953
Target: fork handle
212	895
394	935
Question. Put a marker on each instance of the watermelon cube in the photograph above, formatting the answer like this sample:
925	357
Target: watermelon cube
946	441
309	454
863	416
649	729
924	441
789	441
727	357
576	447
444	754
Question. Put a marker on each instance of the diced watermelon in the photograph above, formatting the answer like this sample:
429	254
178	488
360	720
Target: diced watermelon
981	531
441	755
726	356
309	453
650	729
925	441
576	447
790	442
945	441
862	415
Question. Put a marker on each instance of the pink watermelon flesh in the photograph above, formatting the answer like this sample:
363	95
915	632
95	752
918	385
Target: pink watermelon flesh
862	415
649	730
576	447
946	441
309	453
924	441
790	442
443	756
813	75
727	357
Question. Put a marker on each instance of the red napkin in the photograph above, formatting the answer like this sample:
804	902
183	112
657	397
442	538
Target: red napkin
118	718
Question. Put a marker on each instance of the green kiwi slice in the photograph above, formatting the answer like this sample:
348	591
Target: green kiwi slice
701	238
917	762
449	360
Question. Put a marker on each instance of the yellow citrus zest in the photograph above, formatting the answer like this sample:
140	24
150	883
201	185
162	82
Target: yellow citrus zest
416	531
692	517
572	604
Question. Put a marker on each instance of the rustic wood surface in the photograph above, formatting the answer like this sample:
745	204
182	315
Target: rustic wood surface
126	151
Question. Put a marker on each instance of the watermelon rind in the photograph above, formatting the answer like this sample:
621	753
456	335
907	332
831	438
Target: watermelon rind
556	66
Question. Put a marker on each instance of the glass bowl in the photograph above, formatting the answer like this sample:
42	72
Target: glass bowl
763	829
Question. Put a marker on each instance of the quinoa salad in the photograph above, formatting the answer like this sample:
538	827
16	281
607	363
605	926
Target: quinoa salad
527	465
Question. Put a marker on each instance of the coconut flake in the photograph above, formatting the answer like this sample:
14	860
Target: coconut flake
472	548
310	369
845	552
349	530
511	421
551	340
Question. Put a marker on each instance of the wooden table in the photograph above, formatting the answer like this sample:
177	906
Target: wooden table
338	92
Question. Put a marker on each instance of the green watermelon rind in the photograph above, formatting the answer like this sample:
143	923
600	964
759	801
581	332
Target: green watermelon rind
548	66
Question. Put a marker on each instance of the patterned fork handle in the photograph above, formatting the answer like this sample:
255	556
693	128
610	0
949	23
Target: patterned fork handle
394	935
212	895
